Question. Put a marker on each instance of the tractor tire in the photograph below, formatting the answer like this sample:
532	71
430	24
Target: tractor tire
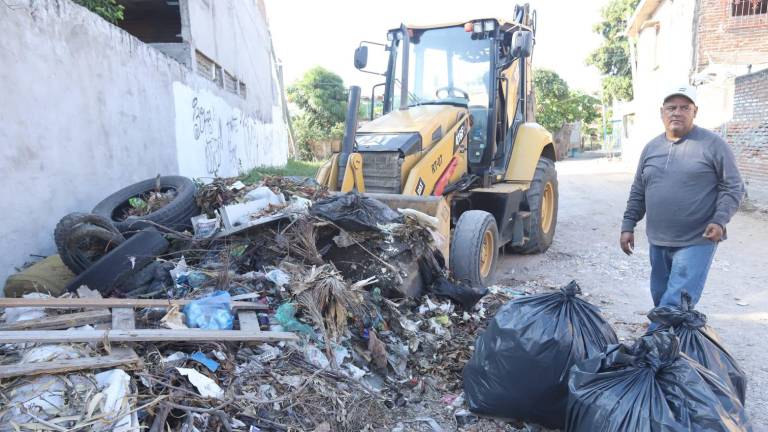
113	272
475	248
174	215
542	199
78	230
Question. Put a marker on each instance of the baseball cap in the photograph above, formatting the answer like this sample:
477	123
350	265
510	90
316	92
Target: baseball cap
684	90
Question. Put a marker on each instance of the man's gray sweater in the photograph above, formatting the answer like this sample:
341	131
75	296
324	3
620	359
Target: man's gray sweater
682	187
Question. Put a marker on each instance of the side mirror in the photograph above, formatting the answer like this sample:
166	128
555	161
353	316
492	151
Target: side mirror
522	44
361	56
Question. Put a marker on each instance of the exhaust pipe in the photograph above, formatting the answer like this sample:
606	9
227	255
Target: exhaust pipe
350	128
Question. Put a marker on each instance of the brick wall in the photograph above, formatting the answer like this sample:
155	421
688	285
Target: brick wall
726	39
747	132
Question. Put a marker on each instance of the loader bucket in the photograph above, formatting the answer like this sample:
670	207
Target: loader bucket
435	206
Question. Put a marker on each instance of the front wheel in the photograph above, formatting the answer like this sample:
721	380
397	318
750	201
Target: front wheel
542	199
475	248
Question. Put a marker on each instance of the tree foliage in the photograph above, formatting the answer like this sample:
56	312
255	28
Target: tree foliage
107	9
612	57
322	98
556	104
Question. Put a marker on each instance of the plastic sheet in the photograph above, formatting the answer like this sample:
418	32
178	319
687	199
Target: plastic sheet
520	365
651	386
355	212
700	342
211	313
286	317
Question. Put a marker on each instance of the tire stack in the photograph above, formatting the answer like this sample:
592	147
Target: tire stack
103	247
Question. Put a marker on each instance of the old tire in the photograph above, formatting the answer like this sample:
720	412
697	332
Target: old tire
541	199
174	215
83	238
475	248
113	271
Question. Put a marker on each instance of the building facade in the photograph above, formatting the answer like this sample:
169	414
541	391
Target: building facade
719	46
89	107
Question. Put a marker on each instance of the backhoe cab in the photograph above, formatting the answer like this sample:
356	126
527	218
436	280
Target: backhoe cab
457	140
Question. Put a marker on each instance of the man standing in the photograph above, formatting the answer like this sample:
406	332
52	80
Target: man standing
688	186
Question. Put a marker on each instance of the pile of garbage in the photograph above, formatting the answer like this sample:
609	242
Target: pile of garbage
277	306
272	306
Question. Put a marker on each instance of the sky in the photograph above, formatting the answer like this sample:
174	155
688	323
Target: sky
306	33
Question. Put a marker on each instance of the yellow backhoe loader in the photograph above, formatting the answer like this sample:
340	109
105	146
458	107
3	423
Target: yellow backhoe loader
457	140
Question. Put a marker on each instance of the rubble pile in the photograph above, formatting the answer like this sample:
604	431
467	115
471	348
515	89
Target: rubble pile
307	286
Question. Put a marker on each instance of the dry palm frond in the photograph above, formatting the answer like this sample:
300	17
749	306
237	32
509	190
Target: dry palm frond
300	240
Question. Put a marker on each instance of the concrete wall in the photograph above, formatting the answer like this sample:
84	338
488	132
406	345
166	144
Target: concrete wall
235	35
663	55
87	109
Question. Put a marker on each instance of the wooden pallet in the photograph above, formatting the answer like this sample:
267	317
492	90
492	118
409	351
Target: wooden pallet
121	328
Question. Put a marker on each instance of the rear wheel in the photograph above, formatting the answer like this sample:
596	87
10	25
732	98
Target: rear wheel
475	248
542	199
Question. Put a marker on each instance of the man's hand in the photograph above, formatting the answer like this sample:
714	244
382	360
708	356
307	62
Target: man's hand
714	232
627	242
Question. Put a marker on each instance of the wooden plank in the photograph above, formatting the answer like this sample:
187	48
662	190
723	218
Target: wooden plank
63	321
142	335
117	358
97	303
249	321
123	318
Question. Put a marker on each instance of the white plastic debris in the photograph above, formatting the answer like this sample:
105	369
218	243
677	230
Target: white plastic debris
179	271
43	395
204	385
204	227
297	206
278	277
44	353
316	357
13	315
340	354
236	186
116	388
355	372
175	357
294	381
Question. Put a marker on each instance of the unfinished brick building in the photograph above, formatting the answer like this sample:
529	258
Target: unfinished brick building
721	47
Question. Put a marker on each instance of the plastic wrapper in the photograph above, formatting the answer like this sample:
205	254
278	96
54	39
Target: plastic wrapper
520	365
650	386
211	313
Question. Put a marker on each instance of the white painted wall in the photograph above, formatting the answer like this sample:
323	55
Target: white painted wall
231	141
664	60
234	33
86	109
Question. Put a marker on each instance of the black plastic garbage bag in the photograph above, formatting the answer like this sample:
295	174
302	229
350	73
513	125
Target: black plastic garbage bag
652	387
700	342
520	365
433	276
355	212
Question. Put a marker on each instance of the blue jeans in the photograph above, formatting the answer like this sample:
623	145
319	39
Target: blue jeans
678	269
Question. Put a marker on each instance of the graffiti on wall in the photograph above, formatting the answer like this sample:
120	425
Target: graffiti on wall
214	139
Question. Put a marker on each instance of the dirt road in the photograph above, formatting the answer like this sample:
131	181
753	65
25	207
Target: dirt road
593	194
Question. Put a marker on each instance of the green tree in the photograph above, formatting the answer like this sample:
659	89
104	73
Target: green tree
107	9
556	104
612	57
322	98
